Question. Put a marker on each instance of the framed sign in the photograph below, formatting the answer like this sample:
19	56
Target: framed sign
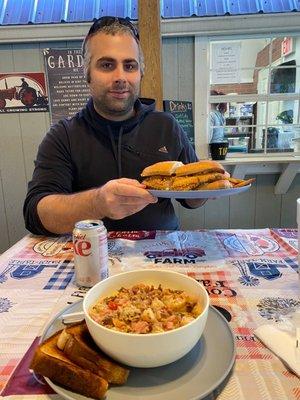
23	92
67	87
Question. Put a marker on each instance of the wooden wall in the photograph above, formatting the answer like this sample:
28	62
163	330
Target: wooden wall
20	135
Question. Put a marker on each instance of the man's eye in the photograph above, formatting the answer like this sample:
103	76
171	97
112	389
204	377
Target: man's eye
106	65
131	67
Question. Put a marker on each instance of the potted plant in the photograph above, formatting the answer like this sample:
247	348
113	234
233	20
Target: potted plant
286	117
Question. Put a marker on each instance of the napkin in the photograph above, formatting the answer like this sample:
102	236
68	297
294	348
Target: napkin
283	343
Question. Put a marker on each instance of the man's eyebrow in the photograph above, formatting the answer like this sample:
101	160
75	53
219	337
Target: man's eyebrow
128	60
105	59
110	59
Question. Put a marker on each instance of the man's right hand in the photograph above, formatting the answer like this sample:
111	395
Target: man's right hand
120	198
117	199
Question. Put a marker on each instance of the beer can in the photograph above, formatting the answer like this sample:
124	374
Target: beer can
90	252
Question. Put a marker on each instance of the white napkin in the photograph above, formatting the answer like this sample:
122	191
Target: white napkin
283	343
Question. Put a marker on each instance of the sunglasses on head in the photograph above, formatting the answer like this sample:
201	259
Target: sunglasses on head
107	21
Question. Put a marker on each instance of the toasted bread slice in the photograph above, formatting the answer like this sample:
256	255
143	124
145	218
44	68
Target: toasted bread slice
51	362
77	344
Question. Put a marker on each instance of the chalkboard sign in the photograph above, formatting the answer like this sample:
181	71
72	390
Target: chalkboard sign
183	112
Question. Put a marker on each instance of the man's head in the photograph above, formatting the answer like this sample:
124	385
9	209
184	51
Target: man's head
113	64
222	107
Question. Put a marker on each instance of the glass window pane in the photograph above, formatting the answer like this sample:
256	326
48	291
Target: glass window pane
251	52
282	117
284	50
234	61
251	81
258	139
265	69
259	122
283	79
281	139
260	113
283	112
296	140
239	141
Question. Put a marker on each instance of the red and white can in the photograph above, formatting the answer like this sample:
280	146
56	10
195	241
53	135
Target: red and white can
90	252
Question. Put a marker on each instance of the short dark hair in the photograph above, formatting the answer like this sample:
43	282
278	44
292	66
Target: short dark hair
222	107
110	26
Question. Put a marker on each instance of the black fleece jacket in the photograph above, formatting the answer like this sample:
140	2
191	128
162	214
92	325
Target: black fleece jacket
87	151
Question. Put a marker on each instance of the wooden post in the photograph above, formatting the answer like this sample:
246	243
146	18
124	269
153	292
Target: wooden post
150	38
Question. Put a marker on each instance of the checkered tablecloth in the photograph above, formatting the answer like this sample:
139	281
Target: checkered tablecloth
250	274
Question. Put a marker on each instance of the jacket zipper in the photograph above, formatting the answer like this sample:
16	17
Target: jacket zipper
126	146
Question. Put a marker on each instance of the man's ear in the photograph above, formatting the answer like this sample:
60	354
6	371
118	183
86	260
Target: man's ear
142	68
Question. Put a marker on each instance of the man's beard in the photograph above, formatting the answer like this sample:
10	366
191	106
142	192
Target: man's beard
114	107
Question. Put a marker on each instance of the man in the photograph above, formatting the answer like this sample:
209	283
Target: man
88	167
217	119
24	84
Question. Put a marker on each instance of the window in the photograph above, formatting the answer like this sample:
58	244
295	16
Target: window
259	81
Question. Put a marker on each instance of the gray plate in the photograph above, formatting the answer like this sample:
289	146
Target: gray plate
203	372
198	194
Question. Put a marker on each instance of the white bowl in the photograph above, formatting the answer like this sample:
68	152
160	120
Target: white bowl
151	349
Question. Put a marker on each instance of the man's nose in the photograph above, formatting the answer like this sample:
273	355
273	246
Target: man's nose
119	74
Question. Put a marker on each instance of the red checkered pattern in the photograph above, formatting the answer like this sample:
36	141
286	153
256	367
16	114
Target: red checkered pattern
283	244
6	371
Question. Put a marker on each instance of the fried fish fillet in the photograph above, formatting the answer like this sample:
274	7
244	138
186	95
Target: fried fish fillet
244	182
220	184
158	182
193	181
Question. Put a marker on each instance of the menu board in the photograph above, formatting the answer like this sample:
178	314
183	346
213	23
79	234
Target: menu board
67	87
183	112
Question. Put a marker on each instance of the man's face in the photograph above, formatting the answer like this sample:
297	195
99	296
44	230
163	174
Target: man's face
115	75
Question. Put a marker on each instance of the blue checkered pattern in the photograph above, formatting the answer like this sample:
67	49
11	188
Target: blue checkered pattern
61	277
292	262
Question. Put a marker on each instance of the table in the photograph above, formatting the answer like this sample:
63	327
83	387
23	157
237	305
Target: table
251	274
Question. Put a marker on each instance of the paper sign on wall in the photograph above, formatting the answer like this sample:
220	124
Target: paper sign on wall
226	63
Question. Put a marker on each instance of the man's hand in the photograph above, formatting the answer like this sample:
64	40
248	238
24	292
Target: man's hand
195	203
116	199
120	198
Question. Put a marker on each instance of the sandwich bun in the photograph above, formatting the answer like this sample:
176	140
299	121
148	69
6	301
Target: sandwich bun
200	167
165	168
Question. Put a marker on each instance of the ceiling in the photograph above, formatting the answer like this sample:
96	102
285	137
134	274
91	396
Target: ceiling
22	12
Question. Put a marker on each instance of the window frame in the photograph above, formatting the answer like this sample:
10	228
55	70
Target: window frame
202	91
